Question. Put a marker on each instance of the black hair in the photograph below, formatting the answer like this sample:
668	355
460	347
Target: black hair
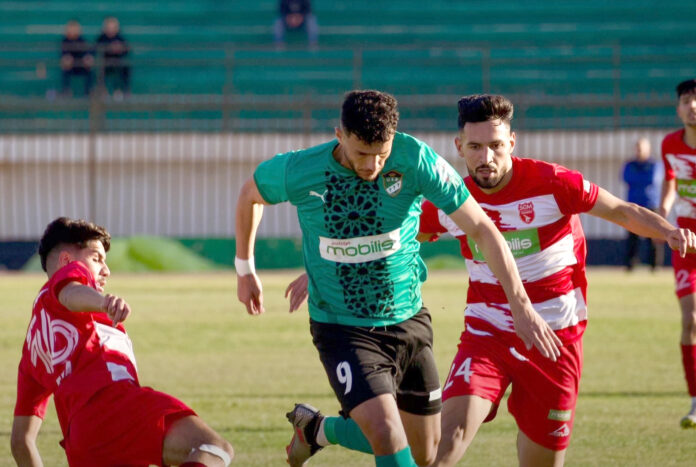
68	231
484	107
686	87
370	115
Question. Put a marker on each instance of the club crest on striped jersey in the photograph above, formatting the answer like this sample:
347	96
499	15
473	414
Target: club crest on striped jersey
392	181
526	212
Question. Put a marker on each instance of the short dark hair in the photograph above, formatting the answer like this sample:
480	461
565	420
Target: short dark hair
484	107
66	231
686	87
370	115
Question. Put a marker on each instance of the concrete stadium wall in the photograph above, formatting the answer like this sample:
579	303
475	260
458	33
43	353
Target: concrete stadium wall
186	185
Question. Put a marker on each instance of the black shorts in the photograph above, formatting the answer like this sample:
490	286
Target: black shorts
363	363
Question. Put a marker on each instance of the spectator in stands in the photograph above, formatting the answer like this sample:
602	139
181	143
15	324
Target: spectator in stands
294	15
76	59
113	50
642	175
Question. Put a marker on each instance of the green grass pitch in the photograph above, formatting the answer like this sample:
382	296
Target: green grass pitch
242	373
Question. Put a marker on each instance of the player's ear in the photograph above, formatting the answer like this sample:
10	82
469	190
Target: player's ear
512	140
64	257
339	134
458	144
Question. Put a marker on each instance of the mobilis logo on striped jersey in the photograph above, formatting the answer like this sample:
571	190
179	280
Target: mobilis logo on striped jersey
686	188
360	249
521	243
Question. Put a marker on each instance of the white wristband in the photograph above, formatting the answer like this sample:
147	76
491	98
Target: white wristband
244	266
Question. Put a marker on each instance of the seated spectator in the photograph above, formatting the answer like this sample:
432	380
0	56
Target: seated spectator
294	15
113	50
76	58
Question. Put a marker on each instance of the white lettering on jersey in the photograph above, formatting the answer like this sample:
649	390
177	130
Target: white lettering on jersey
118	372
51	341
114	339
561	432
586	185
360	249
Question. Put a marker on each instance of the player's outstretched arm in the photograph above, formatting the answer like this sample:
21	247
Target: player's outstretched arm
248	216
25	431
529	325
643	222
78	297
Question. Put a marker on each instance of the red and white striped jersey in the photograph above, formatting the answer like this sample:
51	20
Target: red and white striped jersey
69	354
537	214
680	164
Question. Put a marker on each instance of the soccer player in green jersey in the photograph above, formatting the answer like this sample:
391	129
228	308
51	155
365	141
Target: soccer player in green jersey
358	202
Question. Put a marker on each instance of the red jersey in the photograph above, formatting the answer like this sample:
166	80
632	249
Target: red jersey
537	214
69	354
680	164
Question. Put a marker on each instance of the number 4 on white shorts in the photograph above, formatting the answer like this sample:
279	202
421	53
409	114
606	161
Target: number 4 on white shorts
463	370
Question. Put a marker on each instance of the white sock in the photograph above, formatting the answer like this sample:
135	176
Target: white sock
693	404
321	436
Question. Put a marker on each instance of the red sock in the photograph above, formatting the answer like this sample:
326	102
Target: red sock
192	464
689	361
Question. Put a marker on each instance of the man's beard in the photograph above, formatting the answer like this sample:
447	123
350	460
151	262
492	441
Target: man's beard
490	182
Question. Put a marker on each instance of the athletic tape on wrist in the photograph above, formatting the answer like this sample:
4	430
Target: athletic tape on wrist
244	266
215	451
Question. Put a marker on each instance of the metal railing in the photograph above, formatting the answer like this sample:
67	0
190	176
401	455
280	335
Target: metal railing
552	87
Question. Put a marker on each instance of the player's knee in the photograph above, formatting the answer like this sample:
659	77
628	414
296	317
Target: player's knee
220	449
386	437
426	454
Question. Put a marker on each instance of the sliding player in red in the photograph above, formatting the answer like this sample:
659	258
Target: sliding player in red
78	351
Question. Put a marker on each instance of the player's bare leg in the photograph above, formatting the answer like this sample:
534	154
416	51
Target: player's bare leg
190	439
531	454
688	341
423	434
462	417
380	421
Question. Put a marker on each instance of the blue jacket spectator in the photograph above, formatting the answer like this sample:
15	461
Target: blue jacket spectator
642	175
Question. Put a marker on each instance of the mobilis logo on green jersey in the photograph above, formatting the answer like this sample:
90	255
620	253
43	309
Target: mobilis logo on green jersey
521	243
360	249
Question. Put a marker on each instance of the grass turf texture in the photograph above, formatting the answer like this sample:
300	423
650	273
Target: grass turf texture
241	373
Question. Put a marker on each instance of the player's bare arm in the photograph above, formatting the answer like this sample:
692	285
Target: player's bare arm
248	216
642	222
25	431
78	297
668	196
529	325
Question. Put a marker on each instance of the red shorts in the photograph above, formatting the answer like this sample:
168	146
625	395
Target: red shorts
121	425
684	274
543	393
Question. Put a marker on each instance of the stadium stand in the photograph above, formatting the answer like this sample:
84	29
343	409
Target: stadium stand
618	54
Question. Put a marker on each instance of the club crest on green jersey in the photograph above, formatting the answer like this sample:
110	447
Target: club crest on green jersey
392	181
